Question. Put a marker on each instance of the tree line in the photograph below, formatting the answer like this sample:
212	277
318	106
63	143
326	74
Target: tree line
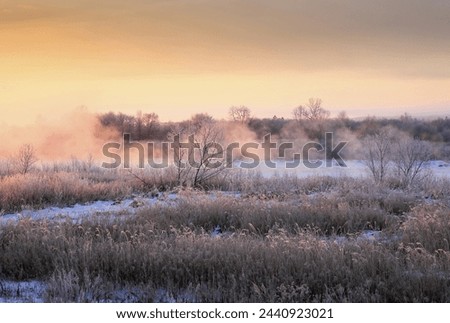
312	118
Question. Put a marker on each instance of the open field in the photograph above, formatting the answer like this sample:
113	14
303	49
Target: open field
224	152
103	236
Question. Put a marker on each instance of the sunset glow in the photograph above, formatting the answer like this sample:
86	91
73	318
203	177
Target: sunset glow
177	58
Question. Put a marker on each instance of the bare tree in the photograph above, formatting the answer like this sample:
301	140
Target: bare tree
199	120
312	111
299	113
209	138
139	123
177	134
127	123
25	159
6	167
240	114
377	150
150	122
200	163
409	157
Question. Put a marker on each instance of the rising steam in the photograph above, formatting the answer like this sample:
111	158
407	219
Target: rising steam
77	134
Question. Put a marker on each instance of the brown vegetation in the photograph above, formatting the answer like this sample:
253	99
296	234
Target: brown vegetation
279	246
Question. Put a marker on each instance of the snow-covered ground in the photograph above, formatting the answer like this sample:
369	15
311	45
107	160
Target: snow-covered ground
354	168
22	292
76	212
33	292
101	209
97	209
129	206
439	168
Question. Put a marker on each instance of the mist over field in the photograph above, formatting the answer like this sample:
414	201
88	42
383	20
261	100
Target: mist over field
78	134
362	216
224	152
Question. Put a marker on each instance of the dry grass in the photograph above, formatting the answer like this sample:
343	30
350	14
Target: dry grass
68	184
286	240
164	248
259	214
77	182
428	227
37	190
65	184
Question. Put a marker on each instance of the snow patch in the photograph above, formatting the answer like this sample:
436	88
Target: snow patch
22	292
79	212
355	168
370	235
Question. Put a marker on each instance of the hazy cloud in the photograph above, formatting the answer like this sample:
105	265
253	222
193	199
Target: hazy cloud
191	55
408	37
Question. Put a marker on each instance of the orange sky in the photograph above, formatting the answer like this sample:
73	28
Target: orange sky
177	58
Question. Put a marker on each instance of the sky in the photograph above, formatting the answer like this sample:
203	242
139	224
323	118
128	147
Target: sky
181	57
